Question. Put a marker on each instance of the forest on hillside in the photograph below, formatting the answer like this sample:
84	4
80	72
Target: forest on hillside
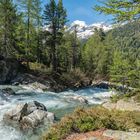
39	37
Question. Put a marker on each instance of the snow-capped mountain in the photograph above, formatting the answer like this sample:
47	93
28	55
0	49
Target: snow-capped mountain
84	31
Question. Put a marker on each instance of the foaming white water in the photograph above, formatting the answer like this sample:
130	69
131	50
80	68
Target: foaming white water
51	100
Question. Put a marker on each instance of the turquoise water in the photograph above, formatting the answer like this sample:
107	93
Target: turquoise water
59	103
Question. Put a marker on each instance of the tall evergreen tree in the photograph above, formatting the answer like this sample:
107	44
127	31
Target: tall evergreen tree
74	48
38	25
28	9
55	19
8	23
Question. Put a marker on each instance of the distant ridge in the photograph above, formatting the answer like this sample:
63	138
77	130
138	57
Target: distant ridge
84	31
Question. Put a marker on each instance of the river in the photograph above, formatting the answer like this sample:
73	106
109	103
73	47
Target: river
59	103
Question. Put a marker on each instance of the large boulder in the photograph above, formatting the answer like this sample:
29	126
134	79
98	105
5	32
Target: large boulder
28	115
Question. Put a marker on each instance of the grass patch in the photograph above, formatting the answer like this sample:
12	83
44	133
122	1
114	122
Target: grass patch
84	120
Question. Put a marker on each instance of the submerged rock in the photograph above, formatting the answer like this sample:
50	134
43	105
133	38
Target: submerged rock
3	97
8	91
28	115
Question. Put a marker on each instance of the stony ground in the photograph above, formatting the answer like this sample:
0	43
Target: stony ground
95	135
105	135
123	105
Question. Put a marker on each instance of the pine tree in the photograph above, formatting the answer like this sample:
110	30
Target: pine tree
8	23
55	18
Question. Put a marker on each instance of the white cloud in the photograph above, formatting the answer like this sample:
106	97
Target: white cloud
78	22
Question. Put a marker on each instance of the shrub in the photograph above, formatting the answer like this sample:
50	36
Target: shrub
83	120
75	78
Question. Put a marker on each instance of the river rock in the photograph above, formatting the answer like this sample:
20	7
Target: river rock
3	97
79	99
8	91
14	114
36	86
28	115
33	119
122	105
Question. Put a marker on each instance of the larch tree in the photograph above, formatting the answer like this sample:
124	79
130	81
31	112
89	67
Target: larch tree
8	23
122	10
28	10
55	18
38	25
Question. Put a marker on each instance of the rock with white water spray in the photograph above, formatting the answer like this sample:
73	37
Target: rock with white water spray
33	119
8	91
79	99
36	87
28	115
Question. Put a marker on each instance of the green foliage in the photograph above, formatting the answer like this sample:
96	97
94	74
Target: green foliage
83	120
66	52
8	24
74	78
55	17
114	56
95	55
119	68
122	10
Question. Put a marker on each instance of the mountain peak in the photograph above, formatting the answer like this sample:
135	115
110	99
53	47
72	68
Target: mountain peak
84	31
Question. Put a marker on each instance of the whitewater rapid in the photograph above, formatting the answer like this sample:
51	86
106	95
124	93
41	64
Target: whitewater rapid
59	103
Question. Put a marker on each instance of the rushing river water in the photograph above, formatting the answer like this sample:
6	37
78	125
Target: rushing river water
59	103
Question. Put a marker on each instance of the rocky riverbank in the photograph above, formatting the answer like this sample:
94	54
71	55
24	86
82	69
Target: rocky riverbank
123	105
105	135
13	72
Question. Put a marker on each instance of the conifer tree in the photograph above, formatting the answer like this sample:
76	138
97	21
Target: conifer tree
55	19
38	25
29	12
122	10
8	23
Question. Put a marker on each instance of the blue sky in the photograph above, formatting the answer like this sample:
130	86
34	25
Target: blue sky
82	10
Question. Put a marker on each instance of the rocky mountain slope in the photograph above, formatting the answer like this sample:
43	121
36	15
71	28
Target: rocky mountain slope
84	31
